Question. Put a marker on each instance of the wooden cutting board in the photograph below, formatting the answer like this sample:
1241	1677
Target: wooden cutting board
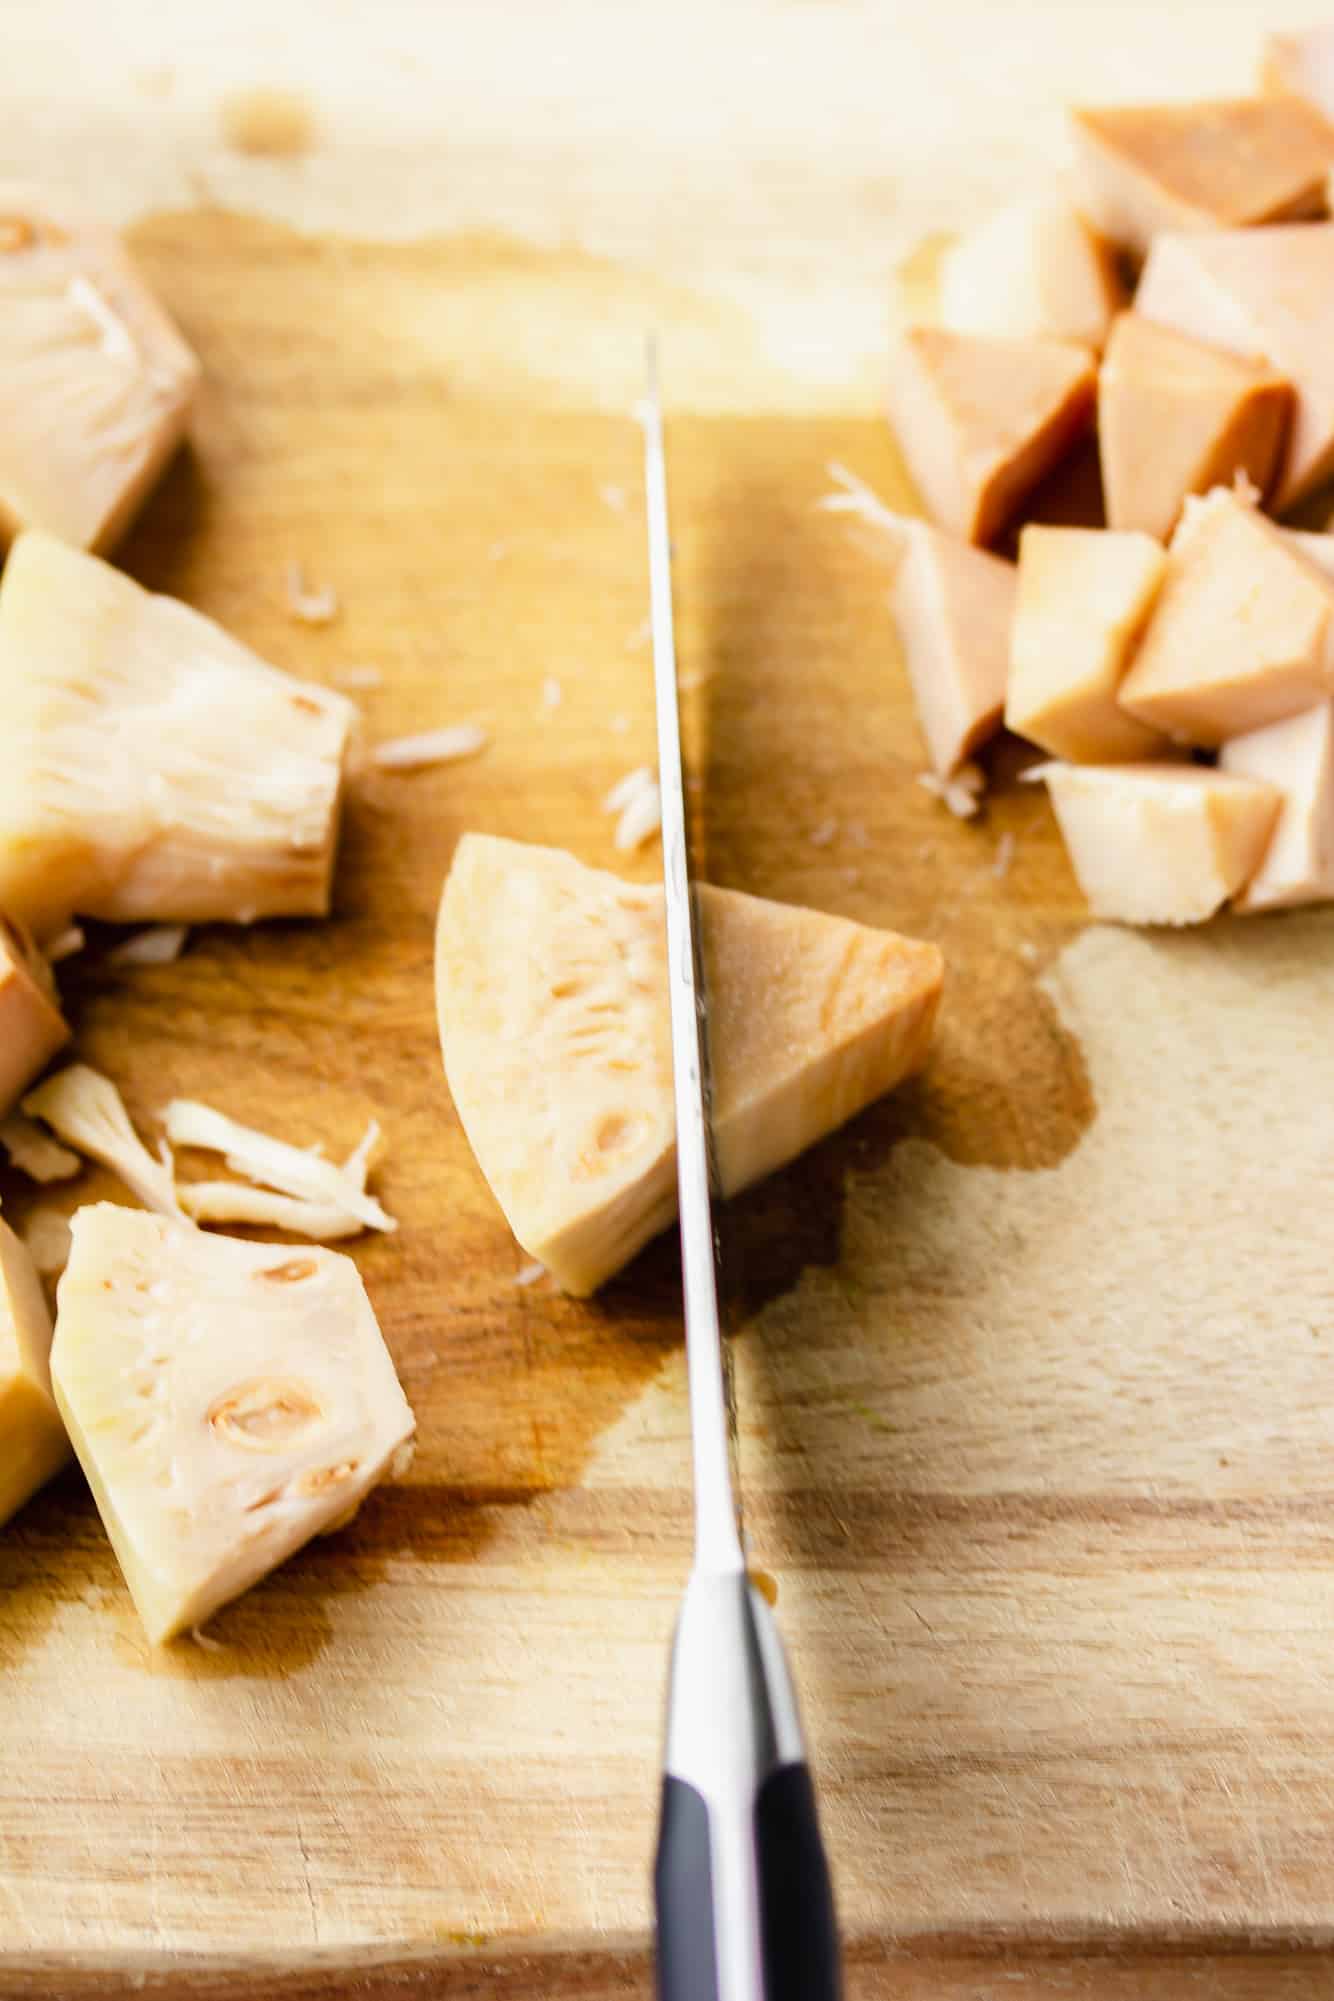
1033	1360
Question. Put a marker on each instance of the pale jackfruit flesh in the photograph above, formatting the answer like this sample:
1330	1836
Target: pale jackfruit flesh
32	1027
1297	755
97	381
227	1402
33	1444
1161	844
1035	270
980	421
1242	633
1083	598
1177	416
1215	165
952	607
152	768
552	988
1268	296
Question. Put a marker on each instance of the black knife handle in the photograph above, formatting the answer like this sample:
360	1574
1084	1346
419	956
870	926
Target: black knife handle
797	1924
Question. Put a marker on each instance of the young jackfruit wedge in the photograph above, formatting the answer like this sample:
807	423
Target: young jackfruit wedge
98	383
33	1444
152	767
227	1401
551	982
32	1027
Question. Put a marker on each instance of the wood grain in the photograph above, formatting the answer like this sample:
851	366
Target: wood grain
1033	1359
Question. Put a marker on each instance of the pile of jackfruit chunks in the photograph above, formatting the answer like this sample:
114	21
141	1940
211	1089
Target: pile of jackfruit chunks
1178	664
227	1399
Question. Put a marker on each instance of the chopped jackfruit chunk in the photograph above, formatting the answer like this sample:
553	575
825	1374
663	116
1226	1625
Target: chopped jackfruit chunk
1241	634
1084	595
1152	167
980	421
151	767
1268	296
551	980
97	382
33	1444
1160	844
227	1401
32	1027
1176	417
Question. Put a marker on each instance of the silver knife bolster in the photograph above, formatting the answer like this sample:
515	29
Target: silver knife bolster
731	1724
732	1715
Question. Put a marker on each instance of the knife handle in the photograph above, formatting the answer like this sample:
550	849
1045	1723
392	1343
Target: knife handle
799	1940
744	1904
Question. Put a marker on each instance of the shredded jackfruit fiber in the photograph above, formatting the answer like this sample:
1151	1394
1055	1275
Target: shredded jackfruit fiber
311	607
157	946
34	1152
856	498
276	1165
414	753
239	1202
85	1109
46	1233
960	793
637	802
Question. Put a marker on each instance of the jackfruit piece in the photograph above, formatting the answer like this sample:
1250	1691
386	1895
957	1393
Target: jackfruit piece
1083	599
151	767
1160	844
33	1444
98	383
1152	167
1176	416
980	421
1266	295
1300	64
1241	634
952	608
32	1027
1297	755
1035	270
552	989
227	1402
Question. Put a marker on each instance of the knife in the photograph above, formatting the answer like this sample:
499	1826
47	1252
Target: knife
744	1906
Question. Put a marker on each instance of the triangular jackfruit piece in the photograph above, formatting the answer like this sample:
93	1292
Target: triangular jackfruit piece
1300	64
952	607
1034	270
152	768
552	989
32	1027
1222	164
1297	755
33	1444
1242	633
1083	599
97	381
1266	295
227	1401
1160	844
1176	416
980	421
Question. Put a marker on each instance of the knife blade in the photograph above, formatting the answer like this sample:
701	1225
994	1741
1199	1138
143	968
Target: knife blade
744	1905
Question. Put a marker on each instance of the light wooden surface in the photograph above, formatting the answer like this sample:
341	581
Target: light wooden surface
1035	1360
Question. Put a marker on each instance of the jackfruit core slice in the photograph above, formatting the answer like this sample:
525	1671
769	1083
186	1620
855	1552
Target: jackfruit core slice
152	768
97	381
33	1444
227	1402
552	990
